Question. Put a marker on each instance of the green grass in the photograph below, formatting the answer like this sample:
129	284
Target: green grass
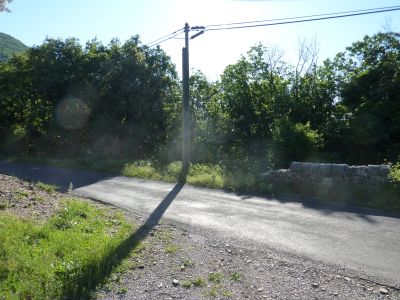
187	284
215	290
171	248
197	282
21	194
38	198
62	257
3	204
49	188
187	263
206	175
235	276
215	277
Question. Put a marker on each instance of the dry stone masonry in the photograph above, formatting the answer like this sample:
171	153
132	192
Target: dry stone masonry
331	179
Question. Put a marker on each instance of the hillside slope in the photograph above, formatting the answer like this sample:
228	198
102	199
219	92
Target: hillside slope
9	45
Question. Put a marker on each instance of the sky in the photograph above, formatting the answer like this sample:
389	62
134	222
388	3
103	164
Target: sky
32	21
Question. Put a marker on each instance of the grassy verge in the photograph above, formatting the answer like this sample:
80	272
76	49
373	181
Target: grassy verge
63	257
216	176
206	175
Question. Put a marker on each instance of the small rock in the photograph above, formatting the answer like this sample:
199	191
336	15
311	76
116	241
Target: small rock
182	268
347	278
175	282
141	267
227	245
383	291
335	294
314	285
249	261
259	290
229	251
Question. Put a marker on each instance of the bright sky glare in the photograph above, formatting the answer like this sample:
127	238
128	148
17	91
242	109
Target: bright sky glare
33	21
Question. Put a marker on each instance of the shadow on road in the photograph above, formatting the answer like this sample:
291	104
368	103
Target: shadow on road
123	250
60	177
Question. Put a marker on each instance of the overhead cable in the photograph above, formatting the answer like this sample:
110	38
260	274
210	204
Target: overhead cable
165	37
302	17
395	8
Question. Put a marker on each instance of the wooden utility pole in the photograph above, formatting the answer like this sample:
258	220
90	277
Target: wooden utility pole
185	107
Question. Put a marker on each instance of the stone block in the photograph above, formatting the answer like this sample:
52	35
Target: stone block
374	170
309	168
361	171
384	171
325	170
338	169
295	166
350	170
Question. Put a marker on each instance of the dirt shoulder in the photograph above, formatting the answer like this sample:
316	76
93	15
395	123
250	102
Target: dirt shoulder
179	262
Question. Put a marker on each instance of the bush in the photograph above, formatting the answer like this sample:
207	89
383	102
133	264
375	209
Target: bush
294	142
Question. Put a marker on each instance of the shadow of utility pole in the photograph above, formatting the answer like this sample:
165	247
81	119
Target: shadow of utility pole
99	272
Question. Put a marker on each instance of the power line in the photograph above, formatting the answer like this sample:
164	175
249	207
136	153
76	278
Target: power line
302	17
164	38
278	21
394	8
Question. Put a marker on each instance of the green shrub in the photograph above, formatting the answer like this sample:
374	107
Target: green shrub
294	142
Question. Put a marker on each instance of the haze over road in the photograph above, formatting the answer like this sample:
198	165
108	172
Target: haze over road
365	243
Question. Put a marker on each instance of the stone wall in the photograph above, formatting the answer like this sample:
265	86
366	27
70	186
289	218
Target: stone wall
333	180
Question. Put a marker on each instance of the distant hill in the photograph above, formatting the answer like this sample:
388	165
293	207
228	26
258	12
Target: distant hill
9	46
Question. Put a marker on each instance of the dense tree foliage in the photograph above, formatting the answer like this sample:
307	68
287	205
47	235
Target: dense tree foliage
64	99
346	110
123	101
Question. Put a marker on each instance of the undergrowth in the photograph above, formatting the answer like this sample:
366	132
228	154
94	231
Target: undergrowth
63	257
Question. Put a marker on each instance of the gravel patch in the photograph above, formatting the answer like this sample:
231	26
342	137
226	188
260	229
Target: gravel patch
206	266
26	199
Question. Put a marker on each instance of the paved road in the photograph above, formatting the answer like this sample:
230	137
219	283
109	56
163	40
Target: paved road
366	243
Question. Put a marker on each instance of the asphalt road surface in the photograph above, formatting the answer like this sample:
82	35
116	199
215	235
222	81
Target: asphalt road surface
365	242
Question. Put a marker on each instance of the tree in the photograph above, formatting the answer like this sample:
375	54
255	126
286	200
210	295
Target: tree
367	77
3	5
109	101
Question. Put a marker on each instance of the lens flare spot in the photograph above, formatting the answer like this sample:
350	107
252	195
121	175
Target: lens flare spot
72	113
